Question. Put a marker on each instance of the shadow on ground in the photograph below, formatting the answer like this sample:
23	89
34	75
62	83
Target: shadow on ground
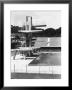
34	76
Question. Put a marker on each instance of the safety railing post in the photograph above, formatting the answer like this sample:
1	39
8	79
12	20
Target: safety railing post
14	68
26	68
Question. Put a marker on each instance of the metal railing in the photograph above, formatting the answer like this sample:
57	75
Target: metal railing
20	67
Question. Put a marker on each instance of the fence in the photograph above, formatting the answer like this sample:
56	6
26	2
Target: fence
22	67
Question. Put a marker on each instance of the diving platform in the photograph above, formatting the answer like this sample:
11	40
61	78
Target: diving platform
30	31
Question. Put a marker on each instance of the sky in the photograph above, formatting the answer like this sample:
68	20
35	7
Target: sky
51	18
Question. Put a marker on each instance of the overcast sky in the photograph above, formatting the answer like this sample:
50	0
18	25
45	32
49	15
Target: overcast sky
51	18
